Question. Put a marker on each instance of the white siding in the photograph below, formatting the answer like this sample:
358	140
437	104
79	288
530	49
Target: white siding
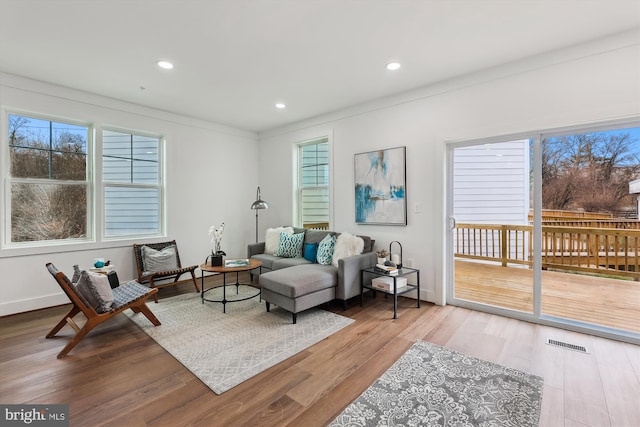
131	194
491	183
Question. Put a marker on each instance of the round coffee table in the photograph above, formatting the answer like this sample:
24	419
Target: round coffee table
253	264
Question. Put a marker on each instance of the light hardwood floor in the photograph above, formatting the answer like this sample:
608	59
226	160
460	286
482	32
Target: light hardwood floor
119	376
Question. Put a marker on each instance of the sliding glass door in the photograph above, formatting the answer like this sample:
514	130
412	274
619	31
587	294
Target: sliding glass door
490	231
545	227
590	230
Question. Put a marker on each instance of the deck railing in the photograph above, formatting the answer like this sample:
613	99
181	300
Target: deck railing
316	225
560	215
591	250
600	223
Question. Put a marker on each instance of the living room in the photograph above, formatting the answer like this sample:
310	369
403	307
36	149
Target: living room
212	170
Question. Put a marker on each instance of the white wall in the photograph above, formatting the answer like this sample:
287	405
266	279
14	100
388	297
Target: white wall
584	84
212	174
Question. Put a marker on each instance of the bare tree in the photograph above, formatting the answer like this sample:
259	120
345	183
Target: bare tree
589	172
52	207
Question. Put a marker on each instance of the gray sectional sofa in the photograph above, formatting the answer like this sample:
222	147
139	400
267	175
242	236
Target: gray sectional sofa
297	284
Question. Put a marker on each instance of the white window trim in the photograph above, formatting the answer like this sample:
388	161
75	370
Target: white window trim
296	208
160	185
8	247
95	238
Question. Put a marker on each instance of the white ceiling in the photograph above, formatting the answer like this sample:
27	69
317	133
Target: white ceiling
234	59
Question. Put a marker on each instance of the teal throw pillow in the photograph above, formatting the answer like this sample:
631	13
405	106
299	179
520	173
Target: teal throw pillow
310	251
290	245
325	250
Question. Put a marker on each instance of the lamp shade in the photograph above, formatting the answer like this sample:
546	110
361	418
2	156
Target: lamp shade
259	203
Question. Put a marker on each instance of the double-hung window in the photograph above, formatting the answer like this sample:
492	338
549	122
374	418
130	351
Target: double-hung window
51	186
313	184
48	180
132	184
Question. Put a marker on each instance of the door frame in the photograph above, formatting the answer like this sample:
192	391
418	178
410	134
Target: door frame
449	224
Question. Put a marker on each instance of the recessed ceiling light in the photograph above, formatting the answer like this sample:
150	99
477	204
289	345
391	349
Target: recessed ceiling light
280	105
165	65
393	66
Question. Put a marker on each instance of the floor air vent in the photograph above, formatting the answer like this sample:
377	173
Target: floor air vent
566	345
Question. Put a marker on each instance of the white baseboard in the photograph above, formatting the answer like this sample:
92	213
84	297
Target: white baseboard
30	304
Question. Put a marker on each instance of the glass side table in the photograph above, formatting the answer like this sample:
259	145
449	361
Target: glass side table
403	272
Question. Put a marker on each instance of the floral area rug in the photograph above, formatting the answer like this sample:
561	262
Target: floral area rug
225	349
434	386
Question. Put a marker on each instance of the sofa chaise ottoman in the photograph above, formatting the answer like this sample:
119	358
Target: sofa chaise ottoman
299	288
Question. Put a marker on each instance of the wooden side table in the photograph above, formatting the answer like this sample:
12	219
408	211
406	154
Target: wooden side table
403	272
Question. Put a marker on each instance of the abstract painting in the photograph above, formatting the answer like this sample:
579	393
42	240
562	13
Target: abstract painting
380	185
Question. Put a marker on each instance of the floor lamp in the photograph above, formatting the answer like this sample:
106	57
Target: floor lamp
257	205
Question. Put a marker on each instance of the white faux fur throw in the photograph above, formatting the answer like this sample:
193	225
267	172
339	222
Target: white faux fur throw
272	239
347	245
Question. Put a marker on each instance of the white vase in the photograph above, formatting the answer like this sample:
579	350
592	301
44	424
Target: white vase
381	260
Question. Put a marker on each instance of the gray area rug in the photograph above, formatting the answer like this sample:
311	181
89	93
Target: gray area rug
434	386
224	350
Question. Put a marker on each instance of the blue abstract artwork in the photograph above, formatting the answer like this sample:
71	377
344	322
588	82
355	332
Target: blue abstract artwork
380	187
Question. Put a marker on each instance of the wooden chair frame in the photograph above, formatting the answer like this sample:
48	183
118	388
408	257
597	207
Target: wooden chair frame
94	318
146	277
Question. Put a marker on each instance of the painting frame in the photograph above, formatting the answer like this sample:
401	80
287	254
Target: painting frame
380	185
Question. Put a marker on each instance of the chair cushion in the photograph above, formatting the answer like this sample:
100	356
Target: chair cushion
165	259
267	260
96	291
290	245
325	250
288	262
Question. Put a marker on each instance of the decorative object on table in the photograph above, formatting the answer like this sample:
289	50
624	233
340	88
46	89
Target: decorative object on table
386	283
382	255
214	260
389	270
230	263
100	266
223	350
257	205
395	257
114	282
216	238
380	187
432	385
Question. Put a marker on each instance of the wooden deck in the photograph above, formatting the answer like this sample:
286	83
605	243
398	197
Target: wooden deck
602	301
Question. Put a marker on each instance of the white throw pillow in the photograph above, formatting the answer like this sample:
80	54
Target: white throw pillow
272	239
347	245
